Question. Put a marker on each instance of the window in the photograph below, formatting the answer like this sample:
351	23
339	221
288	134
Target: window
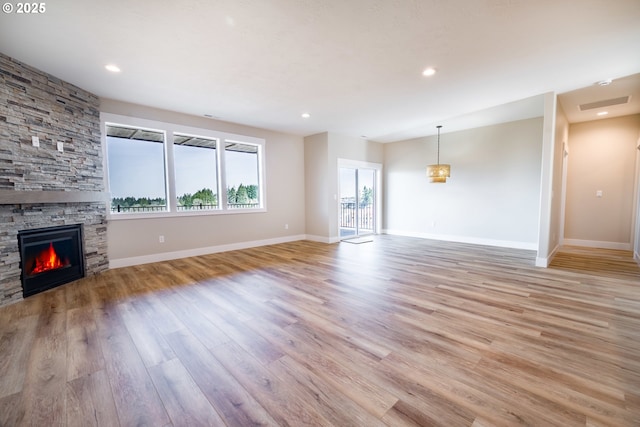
242	175
195	164
136	169
163	169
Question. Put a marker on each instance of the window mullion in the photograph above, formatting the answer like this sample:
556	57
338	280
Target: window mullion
262	195
222	174
170	174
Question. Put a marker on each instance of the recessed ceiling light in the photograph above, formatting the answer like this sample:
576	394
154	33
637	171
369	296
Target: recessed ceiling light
429	72
113	68
603	113
306	115
606	82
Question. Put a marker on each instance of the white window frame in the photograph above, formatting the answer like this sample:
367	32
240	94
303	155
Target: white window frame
170	129
260	173
218	189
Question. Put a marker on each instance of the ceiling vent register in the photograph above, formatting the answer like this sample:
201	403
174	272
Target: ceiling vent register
605	103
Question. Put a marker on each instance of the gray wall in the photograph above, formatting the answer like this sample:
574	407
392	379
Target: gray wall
348	148
602	156
134	241
322	152
556	232
493	194
317	192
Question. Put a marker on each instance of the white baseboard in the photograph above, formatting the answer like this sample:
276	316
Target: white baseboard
597	244
465	239
166	256
542	262
319	239
322	239
545	261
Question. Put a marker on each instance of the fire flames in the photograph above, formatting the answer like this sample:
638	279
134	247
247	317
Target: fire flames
48	259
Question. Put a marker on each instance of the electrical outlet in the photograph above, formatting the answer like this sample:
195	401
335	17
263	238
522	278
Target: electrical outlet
286	226
161	239
35	141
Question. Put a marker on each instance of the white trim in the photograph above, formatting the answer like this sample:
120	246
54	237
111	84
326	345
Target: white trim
358	164
181	214
598	244
466	239
545	204
542	262
545	261
166	256
322	239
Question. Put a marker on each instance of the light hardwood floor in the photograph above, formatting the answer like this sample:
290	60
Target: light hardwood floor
397	332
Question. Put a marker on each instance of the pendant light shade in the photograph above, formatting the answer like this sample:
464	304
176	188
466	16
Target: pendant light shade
438	173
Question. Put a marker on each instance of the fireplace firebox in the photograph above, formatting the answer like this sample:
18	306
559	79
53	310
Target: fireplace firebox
50	257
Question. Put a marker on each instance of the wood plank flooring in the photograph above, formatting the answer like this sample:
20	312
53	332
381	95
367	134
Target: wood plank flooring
396	332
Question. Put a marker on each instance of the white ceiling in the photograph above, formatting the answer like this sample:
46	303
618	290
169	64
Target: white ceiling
354	65
619	88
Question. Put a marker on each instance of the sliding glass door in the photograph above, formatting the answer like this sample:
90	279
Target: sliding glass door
357	213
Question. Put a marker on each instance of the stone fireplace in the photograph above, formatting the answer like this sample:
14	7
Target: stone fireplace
51	171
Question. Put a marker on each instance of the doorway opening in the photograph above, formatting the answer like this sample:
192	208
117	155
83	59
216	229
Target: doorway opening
358	203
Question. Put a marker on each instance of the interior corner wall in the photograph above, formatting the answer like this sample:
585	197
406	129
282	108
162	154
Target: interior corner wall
322	152
602	158
316	171
491	198
136	240
547	161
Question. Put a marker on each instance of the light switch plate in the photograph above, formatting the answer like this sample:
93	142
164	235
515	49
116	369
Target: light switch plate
35	141
60	146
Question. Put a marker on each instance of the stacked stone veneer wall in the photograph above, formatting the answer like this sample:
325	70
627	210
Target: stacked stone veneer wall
33	103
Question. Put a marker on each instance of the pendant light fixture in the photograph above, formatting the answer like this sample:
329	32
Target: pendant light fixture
438	172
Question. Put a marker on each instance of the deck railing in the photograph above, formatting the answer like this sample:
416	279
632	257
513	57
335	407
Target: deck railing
243	205
149	208
197	207
348	216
